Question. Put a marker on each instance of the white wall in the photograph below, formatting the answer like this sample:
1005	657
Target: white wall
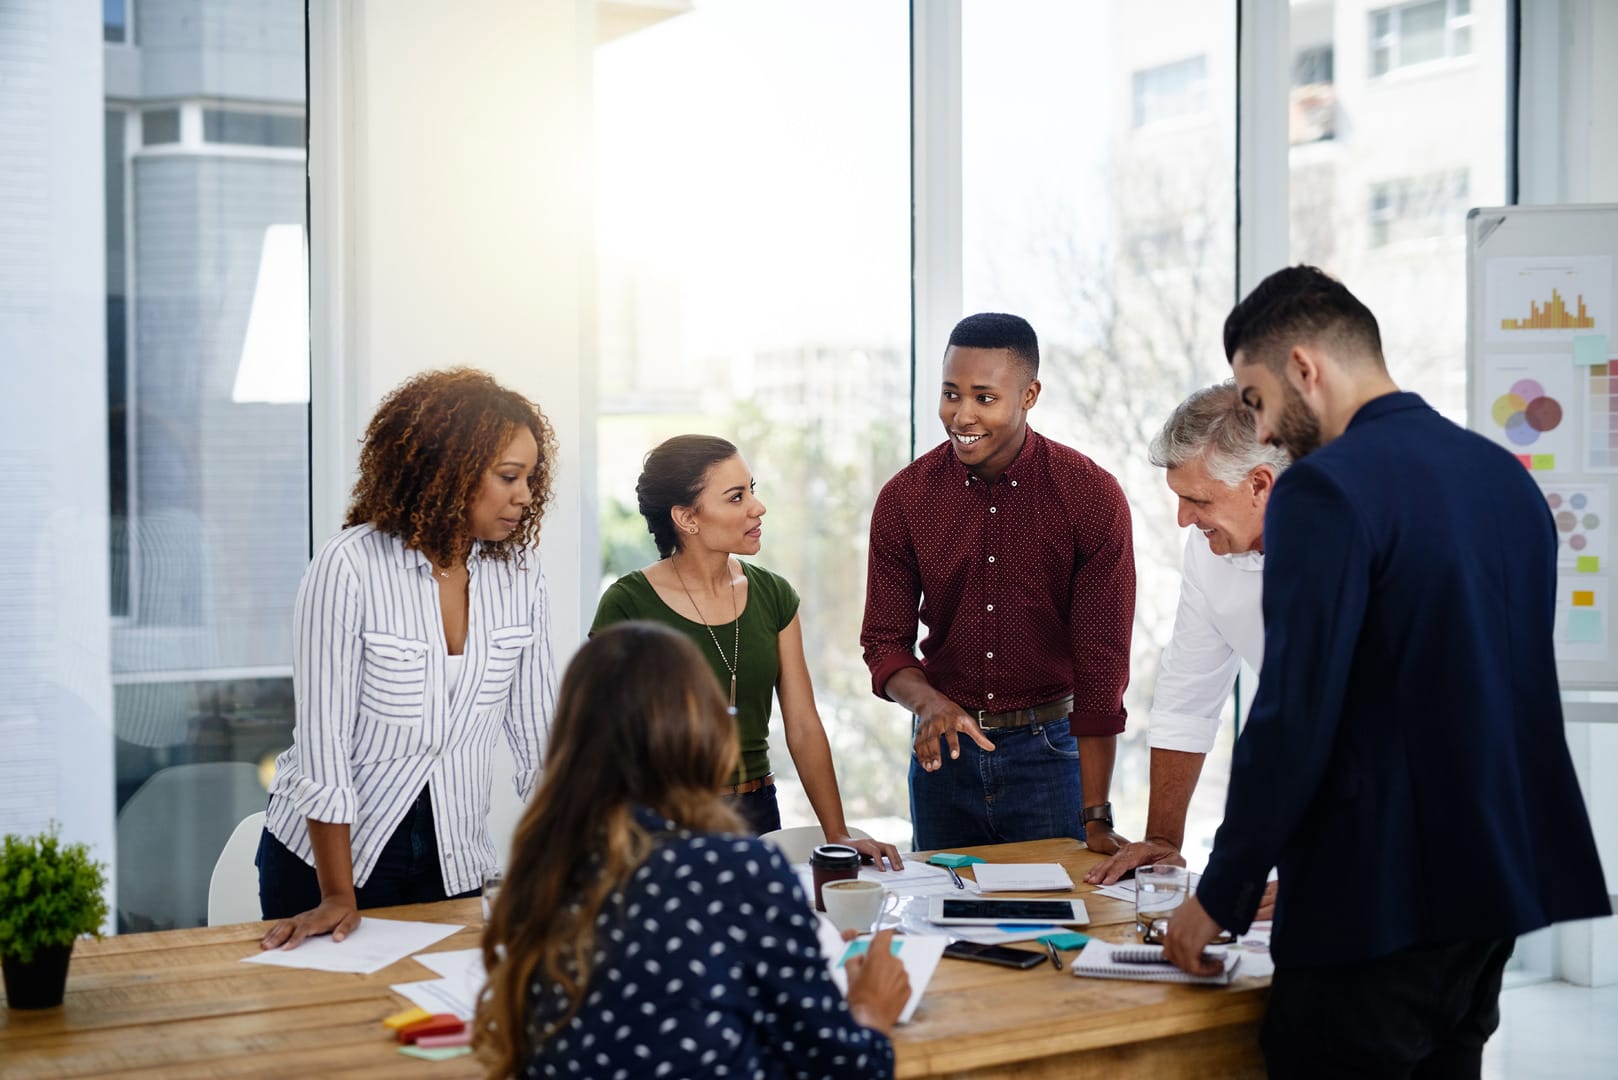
55	695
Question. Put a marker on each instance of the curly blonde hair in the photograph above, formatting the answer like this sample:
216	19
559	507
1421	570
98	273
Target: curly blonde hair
425	454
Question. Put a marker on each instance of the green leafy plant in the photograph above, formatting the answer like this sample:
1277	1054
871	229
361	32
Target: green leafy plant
50	894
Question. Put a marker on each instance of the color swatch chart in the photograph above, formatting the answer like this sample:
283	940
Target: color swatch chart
1601	427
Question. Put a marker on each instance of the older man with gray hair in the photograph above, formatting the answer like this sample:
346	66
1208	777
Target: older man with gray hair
1222	476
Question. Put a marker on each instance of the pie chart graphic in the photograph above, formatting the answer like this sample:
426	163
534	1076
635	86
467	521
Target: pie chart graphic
1525	412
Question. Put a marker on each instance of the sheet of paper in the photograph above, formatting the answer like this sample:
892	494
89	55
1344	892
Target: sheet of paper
439	996
372	947
1125	890
919	953
1023	877
455	964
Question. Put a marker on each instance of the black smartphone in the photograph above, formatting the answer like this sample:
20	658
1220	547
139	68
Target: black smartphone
994	954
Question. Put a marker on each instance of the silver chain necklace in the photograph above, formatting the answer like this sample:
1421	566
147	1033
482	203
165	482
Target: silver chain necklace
735	645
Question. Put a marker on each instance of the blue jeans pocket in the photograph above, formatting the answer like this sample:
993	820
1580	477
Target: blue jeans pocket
1058	739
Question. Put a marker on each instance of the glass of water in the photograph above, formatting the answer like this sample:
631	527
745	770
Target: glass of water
491	892
1159	889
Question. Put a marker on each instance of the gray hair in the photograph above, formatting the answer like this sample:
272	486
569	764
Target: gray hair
1214	424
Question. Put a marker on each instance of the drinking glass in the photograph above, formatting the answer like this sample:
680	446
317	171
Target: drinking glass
491	892
1159	889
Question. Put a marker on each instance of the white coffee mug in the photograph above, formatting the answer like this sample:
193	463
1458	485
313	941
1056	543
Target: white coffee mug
857	904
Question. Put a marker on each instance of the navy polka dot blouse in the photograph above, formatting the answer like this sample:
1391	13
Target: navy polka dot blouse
706	964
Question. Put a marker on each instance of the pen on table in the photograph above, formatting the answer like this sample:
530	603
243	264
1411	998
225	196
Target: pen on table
1056	961
959	884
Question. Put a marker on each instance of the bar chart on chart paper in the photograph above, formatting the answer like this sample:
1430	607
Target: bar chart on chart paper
1601	419
1550	299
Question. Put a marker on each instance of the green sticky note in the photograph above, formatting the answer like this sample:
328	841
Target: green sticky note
1589	349
435	1053
1589	564
1544	462
944	858
1067	940
859	947
1584	627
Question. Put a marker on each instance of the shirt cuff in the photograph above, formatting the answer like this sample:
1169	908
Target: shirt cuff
887	669
1229	902
1182	731
325	802
1096	723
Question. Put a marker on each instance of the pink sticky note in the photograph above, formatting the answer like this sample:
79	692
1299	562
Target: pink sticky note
459	1038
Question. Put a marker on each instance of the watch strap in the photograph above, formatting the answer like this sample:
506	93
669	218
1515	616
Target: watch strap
1101	812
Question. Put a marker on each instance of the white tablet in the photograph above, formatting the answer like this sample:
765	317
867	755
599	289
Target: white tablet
948	911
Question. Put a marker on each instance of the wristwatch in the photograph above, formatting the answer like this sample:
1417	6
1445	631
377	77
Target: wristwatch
1101	813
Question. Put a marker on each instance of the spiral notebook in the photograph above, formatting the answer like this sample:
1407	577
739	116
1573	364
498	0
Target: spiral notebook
1145	963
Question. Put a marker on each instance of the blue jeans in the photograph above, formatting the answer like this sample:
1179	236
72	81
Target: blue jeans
1026	789
407	871
758	809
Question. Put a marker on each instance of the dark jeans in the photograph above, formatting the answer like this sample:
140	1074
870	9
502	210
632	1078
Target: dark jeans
1421	1013
758	809
406	873
1026	789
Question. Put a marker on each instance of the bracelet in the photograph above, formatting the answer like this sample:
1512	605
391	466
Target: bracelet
1101	813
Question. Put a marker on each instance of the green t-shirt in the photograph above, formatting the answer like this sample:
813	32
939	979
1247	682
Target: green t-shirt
771	605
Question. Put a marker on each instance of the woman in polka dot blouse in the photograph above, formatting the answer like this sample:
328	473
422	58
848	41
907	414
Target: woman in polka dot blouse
640	934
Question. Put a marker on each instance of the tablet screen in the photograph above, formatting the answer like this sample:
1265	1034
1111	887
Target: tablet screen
1009	910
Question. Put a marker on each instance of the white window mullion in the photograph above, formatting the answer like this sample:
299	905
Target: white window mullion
936	199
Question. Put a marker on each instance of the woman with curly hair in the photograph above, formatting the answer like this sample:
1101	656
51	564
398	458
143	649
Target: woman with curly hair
638	934
420	634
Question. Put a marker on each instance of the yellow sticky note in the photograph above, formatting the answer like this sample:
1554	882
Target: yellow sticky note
1589	564
400	1019
1544	463
1584	598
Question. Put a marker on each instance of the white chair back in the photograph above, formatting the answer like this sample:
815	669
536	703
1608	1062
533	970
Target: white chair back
799	843
233	889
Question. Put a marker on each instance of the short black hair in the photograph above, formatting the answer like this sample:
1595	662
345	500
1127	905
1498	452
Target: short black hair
1300	303
997	330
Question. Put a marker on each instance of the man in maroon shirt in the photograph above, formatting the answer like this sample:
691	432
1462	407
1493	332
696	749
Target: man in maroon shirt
1015	553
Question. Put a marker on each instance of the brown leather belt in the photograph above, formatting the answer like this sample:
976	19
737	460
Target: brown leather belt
1038	714
747	787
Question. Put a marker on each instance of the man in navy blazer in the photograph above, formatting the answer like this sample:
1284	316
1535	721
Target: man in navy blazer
1404	764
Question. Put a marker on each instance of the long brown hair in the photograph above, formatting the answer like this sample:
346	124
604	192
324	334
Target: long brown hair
425	454
639	719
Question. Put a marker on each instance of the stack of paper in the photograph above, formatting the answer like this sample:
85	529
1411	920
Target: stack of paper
458	988
1022	877
919	953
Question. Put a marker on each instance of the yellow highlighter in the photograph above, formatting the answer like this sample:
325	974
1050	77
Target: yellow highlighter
409	1016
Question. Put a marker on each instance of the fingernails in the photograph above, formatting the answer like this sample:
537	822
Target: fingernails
953	754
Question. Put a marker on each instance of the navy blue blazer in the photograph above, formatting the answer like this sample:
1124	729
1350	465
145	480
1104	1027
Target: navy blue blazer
1404	764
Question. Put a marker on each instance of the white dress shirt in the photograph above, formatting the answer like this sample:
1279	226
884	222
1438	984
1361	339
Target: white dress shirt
378	718
1219	624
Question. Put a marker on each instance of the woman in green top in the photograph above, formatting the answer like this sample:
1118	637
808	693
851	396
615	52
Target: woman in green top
697	496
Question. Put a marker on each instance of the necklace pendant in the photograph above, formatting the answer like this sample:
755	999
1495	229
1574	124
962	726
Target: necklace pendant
733	690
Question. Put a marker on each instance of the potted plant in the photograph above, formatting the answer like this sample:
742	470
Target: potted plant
50	895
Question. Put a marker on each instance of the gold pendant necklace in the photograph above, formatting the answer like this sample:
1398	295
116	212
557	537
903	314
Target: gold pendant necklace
736	643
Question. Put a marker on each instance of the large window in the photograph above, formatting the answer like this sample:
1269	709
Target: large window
753	229
1383	204
1114	234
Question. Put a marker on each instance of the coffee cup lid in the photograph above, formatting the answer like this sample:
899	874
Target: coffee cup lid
834	856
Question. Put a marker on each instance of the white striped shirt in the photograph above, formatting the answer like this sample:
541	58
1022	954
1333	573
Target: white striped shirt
376	721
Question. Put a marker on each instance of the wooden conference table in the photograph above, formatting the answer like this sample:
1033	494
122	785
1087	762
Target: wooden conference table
180	1004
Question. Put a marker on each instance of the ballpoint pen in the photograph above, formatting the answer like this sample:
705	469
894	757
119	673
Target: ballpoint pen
959	884
1056	961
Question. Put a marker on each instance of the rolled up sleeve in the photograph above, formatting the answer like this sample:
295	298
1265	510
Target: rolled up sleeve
1196	676
1101	613
892	594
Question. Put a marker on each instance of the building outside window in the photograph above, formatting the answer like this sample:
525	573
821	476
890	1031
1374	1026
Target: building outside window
1409	34
1171	90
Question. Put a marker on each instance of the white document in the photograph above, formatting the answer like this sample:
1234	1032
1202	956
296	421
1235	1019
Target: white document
456	964
919	879
1124	889
918	953
1022	877
370	948
439	996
